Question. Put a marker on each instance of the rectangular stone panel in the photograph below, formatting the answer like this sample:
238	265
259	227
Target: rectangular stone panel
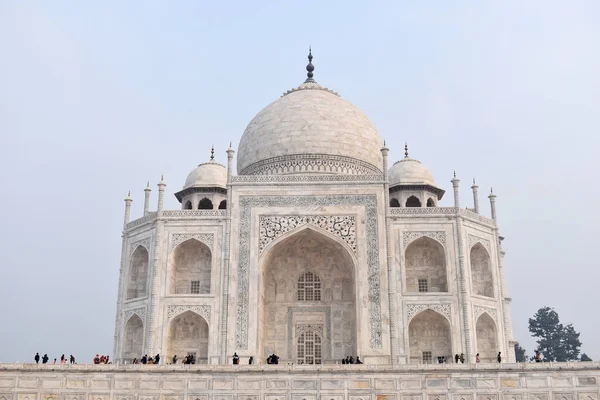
222	397
75	383
197	396
223	384
413	396
462	396
359	384
130	384
6	396
276	384
50	396
482	383
563	382
29	383
27	396
303	396
537	395
385	396
74	396
7	382
587	396
512	396
364	396
147	396
487	396
304	385
562	396
123	396
100	384
408	384
276	396
247	397
332	384
436	396
586	381
510	383
51	383
198	384
536	382
170	396
438	383
461	383
337	396
173	384
253	384
385	384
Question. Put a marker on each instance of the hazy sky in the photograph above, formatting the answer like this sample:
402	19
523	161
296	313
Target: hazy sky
96	99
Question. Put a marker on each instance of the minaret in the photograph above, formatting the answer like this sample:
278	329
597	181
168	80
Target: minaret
226	257
161	193
128	201
147	198
455	182
492	198
475	197
230	152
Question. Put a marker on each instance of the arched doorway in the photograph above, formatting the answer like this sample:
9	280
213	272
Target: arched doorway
307	301
482	280
188	334
138	274
425	266
429	338
191	269
487	338
133	340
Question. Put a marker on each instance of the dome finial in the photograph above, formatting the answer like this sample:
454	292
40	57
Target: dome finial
405	150
310	67
212	153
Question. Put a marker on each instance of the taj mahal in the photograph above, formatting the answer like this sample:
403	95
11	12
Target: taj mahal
314	242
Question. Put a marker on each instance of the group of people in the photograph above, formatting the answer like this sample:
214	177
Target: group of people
148	360
190	359
350	360
101	359
461	359
45	359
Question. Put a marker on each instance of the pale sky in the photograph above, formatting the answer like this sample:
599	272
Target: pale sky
97	99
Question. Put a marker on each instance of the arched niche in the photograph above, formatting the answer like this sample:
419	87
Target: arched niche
430	202
482	280
188	334
429	337
223	205
425	262
133	339
205	204
303	258
191	268
487	338
394	203
413	201
188	205
138	274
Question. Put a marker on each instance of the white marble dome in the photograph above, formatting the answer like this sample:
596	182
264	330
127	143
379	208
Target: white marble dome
310	130
208	174
409	171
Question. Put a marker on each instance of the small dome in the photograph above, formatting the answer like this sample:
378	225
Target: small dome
409	171
208	174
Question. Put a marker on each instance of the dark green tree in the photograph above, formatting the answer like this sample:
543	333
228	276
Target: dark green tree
585	357
520	353
555	341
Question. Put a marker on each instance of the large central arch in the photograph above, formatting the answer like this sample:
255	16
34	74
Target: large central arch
307	310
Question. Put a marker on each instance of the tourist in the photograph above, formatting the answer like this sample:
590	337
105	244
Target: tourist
62	359
157	359
145	359
250	360
72	359
456	358
462	358
343	361
175	359
37	358
55	361
45	359
477	359
351	360
358	360
236	359
538	356
499	357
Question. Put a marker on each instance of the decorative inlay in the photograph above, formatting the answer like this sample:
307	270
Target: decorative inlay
371	178
478	310
310	164
194	213
484	242
411	236
140	312
414	309
149	217
203	311
369	202
143	242
273	226
178	238
300	329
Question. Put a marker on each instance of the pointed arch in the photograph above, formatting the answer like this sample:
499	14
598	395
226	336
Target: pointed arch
425	264
429	337
487	338
191	268
188	205
223	205
482	279
138	273
309	347
413	201
205	204
133	339
188	333
430	202
394	202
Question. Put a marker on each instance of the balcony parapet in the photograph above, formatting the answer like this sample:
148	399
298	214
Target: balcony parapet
306	179
177	214
440	211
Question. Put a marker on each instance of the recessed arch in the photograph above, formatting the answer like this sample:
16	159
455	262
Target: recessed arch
482	279
281	315
133	339
487	338
191	268
394	202
205	204
429	337
223	205
188	205
430	202
425	264
137	279
188	333
309	347
413	201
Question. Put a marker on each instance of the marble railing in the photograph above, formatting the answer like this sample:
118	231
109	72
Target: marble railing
177	214
440	211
